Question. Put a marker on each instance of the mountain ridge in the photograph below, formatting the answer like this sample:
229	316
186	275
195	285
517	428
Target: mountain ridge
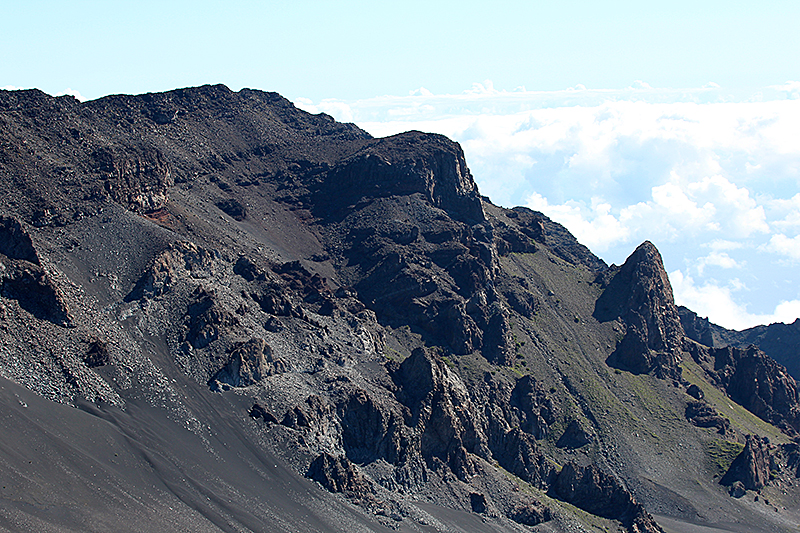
350	310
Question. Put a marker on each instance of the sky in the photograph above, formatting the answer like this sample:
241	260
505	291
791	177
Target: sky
676	122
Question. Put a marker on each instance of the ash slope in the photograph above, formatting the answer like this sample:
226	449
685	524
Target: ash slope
266	318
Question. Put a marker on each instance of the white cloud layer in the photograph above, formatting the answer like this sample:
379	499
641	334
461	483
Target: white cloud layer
712	178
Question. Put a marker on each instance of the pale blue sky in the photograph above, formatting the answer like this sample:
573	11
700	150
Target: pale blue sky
677	122
352	49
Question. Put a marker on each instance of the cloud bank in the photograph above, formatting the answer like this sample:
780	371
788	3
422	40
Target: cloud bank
712	178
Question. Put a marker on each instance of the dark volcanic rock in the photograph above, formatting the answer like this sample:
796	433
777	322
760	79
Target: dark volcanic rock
518	453
477	502
751	466
640	294
755	381
15	242
373	430
574	436
97	354
535	406
259	411
695	392
206	319
247	269
338	474
592	490
249	363
703	415
402	165
137	181
442	411
528	512
233	208
308	414
372	323
779	341
540	228
31	286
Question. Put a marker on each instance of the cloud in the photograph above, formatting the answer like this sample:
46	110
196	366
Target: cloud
340	110
593	226
790	88
710	299
785	246
719	259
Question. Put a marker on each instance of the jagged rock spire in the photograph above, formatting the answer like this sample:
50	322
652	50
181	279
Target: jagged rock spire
640	295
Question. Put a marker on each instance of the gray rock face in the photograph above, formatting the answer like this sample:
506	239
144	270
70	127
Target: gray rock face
338	474
751	466
250	362
402	165
780	341
599	493
441	411
755	381
640	295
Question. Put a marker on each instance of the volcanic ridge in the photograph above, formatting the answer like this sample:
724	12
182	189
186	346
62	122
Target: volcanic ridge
221	313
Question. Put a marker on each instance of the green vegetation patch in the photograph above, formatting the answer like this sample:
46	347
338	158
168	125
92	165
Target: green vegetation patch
721	453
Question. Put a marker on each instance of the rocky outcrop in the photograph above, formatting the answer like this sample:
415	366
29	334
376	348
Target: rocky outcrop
534	405
517	452
206	319
442	413
249	363
373	430
338	474
792	453
372	321
700	330
138	182
308	414
640	295
259	412
22	277
539	228
751	466
594	491
402	165
575	436
233	208
755	381
15	241
31	286
527	511
703	415
780	341
179	261
97	354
